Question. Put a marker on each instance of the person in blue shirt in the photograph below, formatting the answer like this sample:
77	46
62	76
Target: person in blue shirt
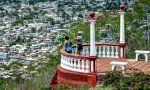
68	45
79	42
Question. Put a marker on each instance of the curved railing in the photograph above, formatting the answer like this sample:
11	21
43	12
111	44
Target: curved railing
102	50
78	63
84	62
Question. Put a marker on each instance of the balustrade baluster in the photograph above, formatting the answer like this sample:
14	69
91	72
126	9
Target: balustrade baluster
72	50
96	49
99	52
116	54
108	51
103	51
74	64
82	65
64	61
112	51
75	50
87	50
83	51
79	66
67	64
87	66
71	63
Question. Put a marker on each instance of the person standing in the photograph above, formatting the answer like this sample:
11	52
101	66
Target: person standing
68	45
79	42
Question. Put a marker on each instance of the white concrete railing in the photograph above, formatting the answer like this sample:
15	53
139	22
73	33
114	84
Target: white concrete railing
78	63
85	63
103	50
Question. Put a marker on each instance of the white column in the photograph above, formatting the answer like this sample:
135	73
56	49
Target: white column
122	32
92	38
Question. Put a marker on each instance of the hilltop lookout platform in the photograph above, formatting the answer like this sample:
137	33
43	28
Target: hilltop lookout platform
96	59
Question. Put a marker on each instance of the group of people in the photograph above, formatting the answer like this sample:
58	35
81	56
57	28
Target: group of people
68	43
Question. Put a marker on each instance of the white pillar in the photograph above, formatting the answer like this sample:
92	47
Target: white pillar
122	32
92	38
122	43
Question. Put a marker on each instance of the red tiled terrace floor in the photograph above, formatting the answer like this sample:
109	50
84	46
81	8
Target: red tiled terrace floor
103	65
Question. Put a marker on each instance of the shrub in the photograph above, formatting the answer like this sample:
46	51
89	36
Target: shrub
112	78
68	86
137	80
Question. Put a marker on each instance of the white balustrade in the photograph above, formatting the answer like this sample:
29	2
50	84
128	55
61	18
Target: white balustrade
84	64
73	64
108	51
102	51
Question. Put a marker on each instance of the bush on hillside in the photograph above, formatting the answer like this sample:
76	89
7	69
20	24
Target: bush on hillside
136	81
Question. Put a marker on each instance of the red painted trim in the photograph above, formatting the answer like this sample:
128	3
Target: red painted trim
76	78
122	45
66	70
94	69
107	44
94	65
